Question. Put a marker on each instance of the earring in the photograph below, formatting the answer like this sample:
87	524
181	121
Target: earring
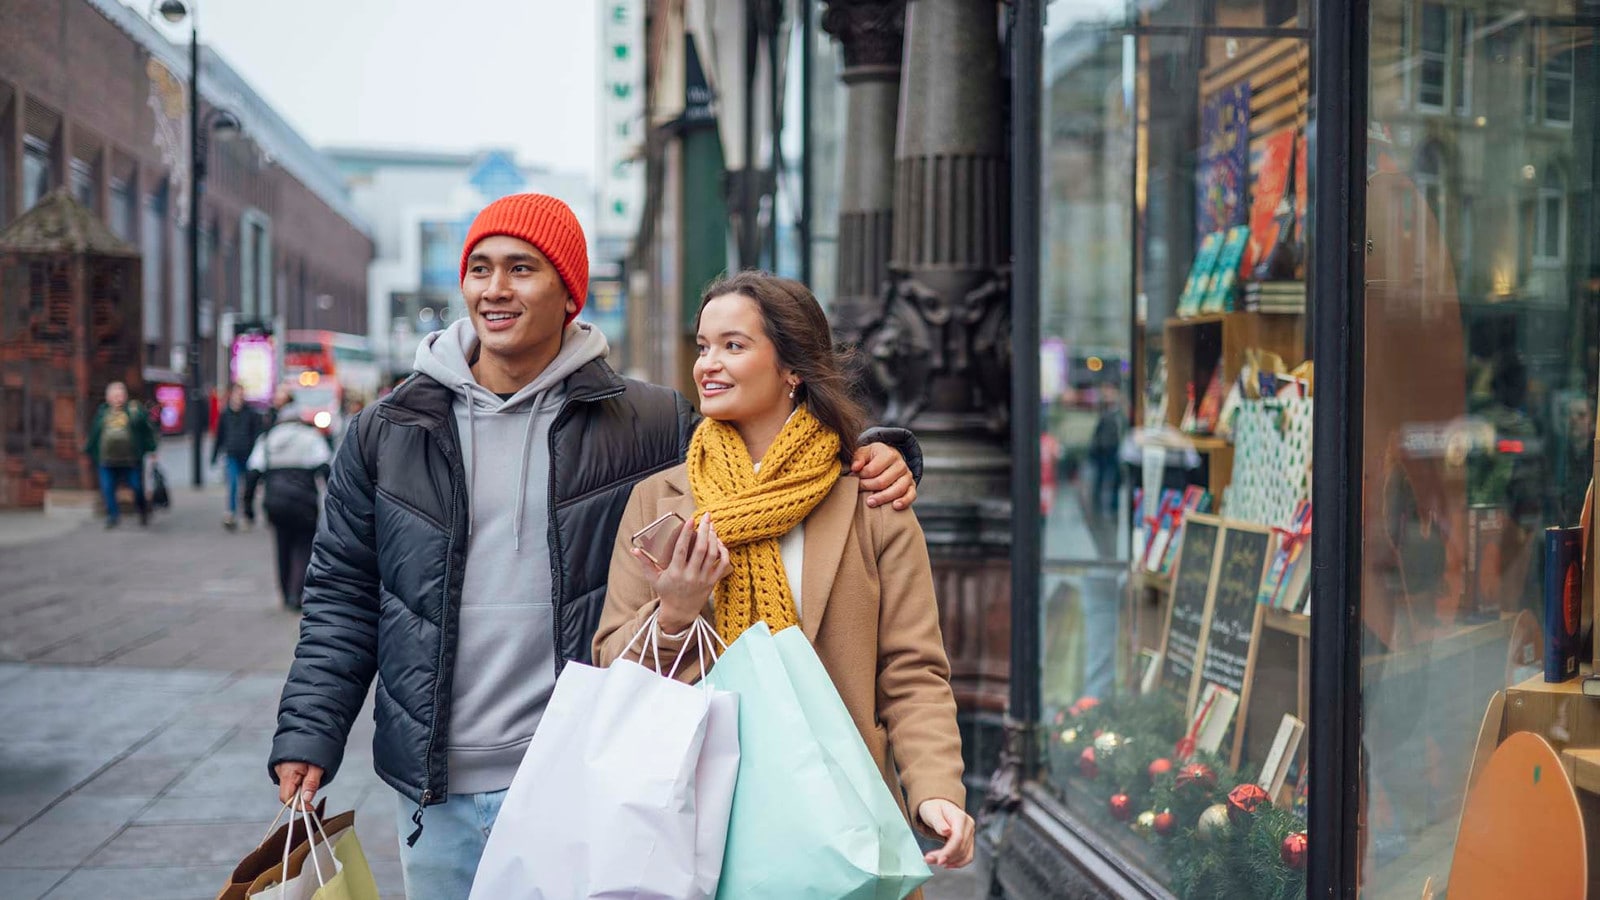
792	389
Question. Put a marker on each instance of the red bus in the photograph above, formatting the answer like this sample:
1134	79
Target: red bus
325	369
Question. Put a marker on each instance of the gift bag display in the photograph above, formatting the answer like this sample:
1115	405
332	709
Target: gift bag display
1272	461
812	815
624	790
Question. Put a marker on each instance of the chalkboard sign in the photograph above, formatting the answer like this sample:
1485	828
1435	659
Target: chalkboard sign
1189	607
1228	659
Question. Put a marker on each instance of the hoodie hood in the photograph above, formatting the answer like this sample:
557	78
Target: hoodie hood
446	357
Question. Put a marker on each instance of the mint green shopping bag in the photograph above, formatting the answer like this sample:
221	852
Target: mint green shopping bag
812	816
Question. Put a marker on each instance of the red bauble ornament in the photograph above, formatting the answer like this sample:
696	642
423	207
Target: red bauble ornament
1083	705
1195	774
1088	766
1244	801
1166	823
1293	851
1159	768
1121	806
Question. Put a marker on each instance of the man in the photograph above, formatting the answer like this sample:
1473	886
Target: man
119	438
463	554
237	429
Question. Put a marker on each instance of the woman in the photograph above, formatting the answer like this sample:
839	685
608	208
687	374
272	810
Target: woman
293	458
782	534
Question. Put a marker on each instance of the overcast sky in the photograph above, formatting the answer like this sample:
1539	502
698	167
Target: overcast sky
426	74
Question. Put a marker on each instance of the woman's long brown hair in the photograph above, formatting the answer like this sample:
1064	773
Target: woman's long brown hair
796	325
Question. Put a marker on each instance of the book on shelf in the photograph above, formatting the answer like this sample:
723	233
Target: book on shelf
1281	758
1220	297
1269	207
1194	289
1275	297
1212	716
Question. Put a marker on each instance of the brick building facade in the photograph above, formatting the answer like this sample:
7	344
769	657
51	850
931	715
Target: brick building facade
94	98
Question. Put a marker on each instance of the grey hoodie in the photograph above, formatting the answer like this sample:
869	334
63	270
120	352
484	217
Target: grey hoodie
505	650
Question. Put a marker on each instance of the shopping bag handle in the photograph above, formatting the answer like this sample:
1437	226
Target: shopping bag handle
274	826
648	632
311	840
703	634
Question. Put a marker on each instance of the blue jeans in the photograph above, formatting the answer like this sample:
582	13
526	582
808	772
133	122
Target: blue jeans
133	477
442	864
235	470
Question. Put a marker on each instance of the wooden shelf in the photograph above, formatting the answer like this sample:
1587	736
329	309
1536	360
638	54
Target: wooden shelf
1202	319
1152	582
1200	443
1297	624
1583	766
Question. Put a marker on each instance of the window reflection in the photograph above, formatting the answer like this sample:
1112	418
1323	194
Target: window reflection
1481	321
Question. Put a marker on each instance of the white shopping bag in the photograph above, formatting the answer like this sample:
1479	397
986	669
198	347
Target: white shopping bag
624	791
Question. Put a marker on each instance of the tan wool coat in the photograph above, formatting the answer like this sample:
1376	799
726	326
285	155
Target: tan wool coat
866	603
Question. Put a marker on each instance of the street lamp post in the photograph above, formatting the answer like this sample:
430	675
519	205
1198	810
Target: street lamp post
226	125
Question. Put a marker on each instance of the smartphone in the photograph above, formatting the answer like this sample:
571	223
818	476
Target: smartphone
657	539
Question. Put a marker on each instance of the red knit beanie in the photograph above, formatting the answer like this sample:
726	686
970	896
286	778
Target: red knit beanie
544	222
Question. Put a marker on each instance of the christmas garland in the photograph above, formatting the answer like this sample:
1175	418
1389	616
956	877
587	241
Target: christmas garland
1219	835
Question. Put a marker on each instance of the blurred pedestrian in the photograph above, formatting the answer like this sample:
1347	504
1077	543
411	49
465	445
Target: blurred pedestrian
237	429
465	553
293	459
119	438
252	478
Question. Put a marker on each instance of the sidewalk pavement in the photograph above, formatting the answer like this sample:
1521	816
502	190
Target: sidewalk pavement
139	678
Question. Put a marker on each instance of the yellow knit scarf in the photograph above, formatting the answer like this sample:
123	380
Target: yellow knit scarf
752	509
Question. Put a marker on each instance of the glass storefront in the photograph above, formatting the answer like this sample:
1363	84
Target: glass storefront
1175	436
1481	303
1179	300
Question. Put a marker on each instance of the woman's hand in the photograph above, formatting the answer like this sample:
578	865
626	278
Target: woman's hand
699	560
952	823
884	472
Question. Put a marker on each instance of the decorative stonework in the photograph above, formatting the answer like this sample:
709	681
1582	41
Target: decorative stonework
872	33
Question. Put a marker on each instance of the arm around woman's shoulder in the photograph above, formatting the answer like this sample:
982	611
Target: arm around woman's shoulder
914	697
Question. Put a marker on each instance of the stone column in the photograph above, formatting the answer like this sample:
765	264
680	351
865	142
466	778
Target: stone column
941	350
871	32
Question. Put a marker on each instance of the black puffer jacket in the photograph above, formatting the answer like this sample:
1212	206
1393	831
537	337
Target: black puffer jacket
390	556
237	430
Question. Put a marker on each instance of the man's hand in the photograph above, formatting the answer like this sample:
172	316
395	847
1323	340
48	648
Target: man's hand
952	823
298	776
883	471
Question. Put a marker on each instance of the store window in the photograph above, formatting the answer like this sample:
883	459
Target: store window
1175	433
1481	344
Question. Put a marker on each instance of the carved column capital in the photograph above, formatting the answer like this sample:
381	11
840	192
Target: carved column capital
872	33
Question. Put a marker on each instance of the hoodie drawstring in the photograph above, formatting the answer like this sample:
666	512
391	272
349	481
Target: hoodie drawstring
472	466
522	476
522	469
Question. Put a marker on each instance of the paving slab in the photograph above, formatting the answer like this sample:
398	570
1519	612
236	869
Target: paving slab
165	882
30	884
